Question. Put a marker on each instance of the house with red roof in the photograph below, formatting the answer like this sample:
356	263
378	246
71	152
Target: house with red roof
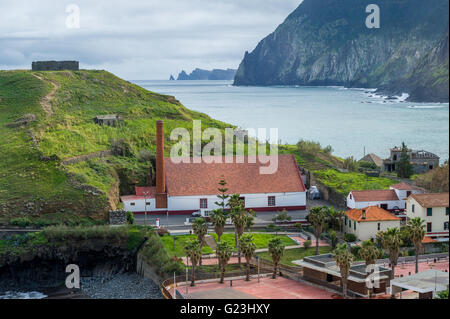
365	223
185	187
393	199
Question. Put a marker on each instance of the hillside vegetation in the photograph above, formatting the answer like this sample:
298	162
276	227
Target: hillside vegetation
33	180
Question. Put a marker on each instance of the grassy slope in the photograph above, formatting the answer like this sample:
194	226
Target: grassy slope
70	132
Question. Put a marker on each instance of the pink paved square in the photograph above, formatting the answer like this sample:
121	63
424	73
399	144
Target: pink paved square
280	288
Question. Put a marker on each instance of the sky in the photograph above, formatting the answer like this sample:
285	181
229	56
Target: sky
137	39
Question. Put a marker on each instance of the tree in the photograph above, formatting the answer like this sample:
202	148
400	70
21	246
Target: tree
370	254
222	196
391	240
333	237
276	251
200	228
404	166
194	253
248	248
218	219
307	244
317	217
223	252
282	217
335	218
235	203
343	258
239	217
416	233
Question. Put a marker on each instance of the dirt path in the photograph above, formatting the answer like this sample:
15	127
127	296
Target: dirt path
46	101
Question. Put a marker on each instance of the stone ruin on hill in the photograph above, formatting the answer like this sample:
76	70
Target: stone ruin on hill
55	65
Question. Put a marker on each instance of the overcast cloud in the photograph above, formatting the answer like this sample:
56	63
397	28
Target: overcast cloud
136	39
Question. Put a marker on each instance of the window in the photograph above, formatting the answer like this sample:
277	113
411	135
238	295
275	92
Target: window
351	196
379	226
429	227
242	199
413	208
429	211
132	204
446	211
349	223
446	226
203	203
408	193
354	225
271	201
384	206
148	203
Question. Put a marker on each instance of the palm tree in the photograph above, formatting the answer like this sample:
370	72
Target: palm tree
416	233
344	259
333	237
218	219
339	215
276	250
235	203
391	240
370	254
223	252
194	252
200	228
248	249
317	217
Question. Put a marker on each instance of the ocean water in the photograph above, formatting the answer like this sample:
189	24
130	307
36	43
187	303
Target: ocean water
350	120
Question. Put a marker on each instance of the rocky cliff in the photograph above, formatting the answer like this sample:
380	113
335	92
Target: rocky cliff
327	42
216	74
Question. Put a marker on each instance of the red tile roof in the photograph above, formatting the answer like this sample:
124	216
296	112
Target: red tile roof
428	240
432	200
373	214
141	194
375	195
190	179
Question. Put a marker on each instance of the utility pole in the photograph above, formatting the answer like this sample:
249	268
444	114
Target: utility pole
187	274
174	286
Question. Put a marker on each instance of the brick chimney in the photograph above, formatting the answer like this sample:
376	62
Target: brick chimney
161	195
364	214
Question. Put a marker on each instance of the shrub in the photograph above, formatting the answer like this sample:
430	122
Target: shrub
307	244
130	218
121	148
351	164
350	238
298	226
162	232
21	222
355	251
309	147
145	156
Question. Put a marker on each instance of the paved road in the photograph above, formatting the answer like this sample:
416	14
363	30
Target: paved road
178	220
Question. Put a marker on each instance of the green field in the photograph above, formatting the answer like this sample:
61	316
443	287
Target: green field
180	243
296	254
260	240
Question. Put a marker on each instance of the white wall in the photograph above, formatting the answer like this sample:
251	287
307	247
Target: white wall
368	230
438	219
192	203
351	203
402	194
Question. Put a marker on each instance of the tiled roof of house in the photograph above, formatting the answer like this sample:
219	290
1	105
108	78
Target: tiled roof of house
373	214
428	240
432	200
406	187
141	194
190	179
372	158
375	195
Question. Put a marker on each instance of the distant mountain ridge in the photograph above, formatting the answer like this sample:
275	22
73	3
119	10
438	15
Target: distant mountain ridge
326	42
200	74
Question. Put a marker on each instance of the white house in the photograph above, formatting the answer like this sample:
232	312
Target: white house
393	199
184	188
434	209
365	223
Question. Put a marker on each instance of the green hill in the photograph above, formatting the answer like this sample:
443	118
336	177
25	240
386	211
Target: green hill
40	128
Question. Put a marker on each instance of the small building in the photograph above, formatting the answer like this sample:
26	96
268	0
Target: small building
188	187
404	190
55	65
434	209
372	158
427	283
108	120
367	222
323	270
422	161
385	199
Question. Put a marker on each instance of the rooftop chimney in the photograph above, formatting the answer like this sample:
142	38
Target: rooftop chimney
161	195
363	214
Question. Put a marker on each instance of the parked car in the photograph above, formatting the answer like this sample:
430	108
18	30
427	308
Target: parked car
314	193
196	214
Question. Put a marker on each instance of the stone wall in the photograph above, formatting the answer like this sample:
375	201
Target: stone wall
55	65
329	194
117	217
